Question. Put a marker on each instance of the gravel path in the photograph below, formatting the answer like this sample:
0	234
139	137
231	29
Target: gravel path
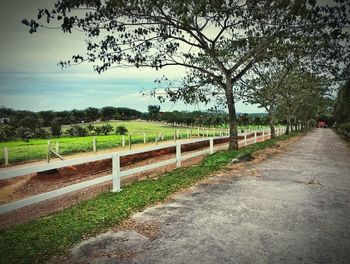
294	208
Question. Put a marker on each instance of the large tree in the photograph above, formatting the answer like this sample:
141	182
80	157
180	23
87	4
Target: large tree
217	41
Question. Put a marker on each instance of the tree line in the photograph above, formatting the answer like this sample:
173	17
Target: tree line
44	124
341	113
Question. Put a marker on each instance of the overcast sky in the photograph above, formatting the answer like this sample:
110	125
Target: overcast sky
30	78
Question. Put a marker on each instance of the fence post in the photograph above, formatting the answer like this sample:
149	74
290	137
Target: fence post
178	155
198	131
211	145
245	138
129	141
57	148
144	138
178	133
175	135
6	156
255	136
263	135
207	133
116	172
48	151
156	139
94	144
162	135
191	134
188	134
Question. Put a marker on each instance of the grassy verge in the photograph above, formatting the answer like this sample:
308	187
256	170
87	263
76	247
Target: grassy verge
40	239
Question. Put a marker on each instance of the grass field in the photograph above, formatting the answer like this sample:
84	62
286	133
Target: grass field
36	149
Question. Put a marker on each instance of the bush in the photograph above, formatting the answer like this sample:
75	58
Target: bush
56	129
121	130
345	126
41	132
77	131
106	129
24	133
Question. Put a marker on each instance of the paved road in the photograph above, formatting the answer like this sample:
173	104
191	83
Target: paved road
298	211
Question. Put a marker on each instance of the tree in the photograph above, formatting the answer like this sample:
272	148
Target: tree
341	112
92	114
217	41
56	129
108	112
153	112
106	129
121	130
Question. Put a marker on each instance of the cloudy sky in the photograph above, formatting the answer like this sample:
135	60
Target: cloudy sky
30	78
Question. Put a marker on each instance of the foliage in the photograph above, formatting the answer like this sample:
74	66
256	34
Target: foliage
342	105
121	130
36	241
153	112
106	129
56	129
217	42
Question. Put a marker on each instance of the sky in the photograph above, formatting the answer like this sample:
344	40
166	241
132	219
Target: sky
31	80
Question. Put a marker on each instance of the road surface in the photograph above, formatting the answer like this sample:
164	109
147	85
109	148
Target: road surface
296	209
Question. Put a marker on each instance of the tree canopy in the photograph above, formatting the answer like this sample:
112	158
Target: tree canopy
217	41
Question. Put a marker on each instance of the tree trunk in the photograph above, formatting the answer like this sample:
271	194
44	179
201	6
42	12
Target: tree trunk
233	142
272	125
288	125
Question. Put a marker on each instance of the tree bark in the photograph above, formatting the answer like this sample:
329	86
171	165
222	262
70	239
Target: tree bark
272	125
288	125
233	142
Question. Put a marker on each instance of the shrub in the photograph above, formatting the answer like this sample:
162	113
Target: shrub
106	129
56	129
345	126
121	130
41	132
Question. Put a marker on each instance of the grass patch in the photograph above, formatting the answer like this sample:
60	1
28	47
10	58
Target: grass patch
40	239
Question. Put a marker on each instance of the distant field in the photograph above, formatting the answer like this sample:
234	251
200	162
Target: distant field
36	149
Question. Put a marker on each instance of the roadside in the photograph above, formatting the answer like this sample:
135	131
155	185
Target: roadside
106	210
292	208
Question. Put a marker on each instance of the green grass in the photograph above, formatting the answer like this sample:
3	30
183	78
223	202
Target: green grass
40	239
36	149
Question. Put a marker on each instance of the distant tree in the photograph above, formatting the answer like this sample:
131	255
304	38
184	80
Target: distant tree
90	128
106	129
98	130
78	116
47	117
71	131
41	132
56	129
121	130
7	132
108	112
153	112
91	114
24	133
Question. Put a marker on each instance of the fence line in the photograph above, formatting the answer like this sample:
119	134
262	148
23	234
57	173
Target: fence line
117	173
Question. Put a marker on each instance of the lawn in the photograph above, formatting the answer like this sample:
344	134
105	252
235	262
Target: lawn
36	149
40	239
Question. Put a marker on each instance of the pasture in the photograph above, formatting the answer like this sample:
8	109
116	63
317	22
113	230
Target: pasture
36	149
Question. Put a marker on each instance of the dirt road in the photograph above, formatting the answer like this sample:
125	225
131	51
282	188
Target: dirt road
294	208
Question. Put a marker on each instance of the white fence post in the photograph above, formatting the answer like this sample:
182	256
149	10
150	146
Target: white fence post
57	148
116	172
6	156
178	155
94	144
129	141
123	141
211	145
207	133
263	135
255	136
156	138
144	138
198	131
245	138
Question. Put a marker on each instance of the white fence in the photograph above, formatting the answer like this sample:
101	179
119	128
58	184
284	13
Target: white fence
117	173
